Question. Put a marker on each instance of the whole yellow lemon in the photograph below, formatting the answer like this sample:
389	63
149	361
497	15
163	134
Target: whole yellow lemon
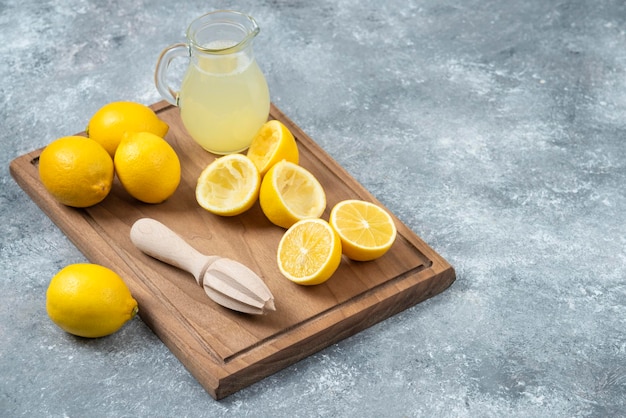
147	166
89	300
77	171
109	124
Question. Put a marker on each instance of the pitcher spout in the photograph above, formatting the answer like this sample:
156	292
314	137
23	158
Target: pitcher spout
222	32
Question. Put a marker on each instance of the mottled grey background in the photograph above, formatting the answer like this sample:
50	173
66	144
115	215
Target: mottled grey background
493	129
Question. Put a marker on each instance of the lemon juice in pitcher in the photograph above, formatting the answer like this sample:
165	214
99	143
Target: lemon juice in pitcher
223	98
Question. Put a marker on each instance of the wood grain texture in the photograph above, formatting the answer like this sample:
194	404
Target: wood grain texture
223	349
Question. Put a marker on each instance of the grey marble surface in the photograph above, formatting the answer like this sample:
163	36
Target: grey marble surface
494	129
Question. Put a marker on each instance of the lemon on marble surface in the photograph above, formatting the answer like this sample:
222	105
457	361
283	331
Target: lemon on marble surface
273	143
309	252
366	230
76	171
147	166
109	124
229	185
290	193
89	300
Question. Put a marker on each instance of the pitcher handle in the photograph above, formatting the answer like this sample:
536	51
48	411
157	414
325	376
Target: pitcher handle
163	63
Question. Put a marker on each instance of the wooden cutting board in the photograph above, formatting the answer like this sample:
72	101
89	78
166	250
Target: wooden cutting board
225	350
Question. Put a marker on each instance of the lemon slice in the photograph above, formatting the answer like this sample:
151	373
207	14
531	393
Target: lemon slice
290	193
366	230
309	252
273	143
229	185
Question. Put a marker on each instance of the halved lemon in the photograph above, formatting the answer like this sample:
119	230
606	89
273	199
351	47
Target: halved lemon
366	230
273	143
229	185
290	193
309	252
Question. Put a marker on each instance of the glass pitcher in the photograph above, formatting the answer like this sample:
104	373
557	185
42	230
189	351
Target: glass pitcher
223	98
